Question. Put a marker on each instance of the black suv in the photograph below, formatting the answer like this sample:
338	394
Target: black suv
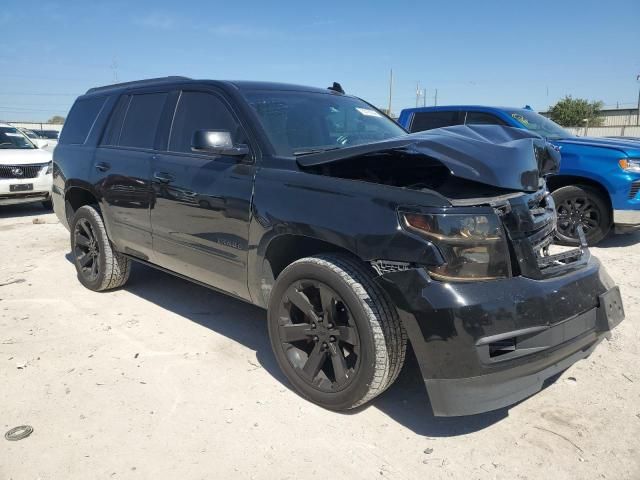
356	236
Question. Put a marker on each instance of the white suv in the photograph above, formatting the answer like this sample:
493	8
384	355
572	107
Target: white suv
25	170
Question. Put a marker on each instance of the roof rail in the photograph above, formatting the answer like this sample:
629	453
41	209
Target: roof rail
141	83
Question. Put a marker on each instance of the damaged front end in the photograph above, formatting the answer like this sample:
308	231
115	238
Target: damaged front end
491	313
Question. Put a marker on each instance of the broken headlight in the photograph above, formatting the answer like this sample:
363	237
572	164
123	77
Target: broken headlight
473	246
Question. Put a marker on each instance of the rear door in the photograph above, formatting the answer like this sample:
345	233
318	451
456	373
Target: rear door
202	206
429	120
122	170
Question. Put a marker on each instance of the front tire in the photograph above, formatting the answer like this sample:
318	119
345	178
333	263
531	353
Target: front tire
98	265
334	332
585	206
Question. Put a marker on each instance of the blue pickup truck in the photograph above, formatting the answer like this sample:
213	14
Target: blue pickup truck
599	180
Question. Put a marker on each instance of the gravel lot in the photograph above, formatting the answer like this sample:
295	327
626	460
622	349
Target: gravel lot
166	379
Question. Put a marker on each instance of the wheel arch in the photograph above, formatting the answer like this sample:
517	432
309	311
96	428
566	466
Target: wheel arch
555	182
284	249
77	196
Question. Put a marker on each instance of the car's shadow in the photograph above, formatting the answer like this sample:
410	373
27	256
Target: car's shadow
406	402
622	240
23	210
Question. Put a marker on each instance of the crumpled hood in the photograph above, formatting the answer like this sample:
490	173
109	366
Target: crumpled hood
630	147
18	156
504	157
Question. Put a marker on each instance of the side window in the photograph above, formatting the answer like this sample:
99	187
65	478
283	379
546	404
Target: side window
481	118
81	118
201	111
141	120
114	127
429	120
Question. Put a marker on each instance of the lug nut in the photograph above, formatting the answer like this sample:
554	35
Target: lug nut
313	325
332	338
315	338
330	325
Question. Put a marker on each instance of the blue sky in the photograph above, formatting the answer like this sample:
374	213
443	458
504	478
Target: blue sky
485	52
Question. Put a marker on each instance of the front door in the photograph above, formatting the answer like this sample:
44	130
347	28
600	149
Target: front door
200	218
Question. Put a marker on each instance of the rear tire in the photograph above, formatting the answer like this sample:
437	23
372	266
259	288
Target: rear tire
98	265
581	205
335	334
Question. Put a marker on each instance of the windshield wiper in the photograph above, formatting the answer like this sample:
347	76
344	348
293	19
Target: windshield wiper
310	151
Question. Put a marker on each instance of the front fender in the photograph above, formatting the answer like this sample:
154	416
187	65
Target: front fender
355	216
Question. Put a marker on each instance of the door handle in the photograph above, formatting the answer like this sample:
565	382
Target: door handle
102	166
163	177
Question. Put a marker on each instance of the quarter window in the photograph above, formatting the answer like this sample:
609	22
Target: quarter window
201	111
82	116
142	119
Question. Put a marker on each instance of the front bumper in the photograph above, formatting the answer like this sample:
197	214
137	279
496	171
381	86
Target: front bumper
41	190
486	345
626	220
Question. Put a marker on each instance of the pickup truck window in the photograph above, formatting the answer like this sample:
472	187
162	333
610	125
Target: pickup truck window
304	122
141	121
541	125
430	120
481	118
200	111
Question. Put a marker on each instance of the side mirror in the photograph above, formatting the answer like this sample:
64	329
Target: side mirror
217	142
40	142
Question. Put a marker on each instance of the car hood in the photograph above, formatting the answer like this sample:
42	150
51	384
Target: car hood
504	157
16	156
630	147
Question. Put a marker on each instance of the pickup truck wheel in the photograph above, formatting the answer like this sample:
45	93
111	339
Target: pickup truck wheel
98	265
581	205
334	332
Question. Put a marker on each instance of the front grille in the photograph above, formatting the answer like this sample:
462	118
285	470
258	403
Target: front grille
530	222
635	188
21	171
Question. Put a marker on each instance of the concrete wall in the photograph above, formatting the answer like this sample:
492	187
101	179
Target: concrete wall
36	126
621	131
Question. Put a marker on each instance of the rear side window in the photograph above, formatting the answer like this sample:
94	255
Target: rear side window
141	120
481	118
200	111
114	127
429	120
81	118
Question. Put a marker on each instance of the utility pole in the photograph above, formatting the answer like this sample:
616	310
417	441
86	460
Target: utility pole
114	67
424	97
417	94
638	116
390	90
435	98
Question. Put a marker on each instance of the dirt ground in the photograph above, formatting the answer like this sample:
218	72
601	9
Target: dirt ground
166	379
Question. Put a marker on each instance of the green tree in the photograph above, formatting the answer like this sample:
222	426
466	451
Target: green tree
572	112
57	119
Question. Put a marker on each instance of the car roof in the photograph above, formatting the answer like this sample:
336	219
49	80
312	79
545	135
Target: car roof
464	107
241	85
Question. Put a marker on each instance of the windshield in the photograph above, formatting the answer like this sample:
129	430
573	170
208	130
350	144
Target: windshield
12	138
541	125
299	123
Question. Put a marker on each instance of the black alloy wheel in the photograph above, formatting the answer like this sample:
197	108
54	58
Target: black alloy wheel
335	333
581	206
99	266
86	250
318	335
